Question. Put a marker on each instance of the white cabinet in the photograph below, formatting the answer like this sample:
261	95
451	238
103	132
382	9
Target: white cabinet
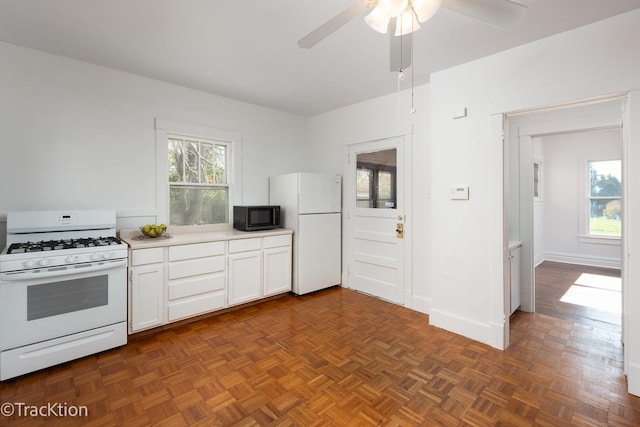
277	265
146	289
259	267
514	263
196	279
245	270
177	281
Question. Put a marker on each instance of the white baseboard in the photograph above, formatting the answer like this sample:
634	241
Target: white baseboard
477	331
537	260
633	379
582	260
497	336
418	303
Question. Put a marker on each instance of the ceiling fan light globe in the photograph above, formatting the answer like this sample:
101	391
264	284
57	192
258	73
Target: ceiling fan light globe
392	8
406	23
425	9
378	20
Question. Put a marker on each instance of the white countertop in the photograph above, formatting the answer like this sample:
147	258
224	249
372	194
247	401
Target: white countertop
189	235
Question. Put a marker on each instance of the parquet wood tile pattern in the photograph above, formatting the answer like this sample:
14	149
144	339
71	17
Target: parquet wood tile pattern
339	358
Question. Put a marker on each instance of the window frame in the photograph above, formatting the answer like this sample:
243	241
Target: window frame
374	170
538	183
584	234
186	141
166	128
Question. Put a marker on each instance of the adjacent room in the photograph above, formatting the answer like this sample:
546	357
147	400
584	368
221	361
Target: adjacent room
337	212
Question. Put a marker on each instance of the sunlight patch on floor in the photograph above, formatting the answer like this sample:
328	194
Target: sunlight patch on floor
596	291
599	281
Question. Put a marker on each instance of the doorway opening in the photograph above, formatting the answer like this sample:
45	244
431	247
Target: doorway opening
577	220
564	222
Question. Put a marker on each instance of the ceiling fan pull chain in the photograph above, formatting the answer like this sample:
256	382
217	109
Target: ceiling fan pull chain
401	77
413	108
400	71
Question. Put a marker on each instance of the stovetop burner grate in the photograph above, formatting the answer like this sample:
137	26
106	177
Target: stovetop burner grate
52	245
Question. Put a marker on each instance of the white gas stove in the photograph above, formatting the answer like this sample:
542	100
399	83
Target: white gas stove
63	288
42	241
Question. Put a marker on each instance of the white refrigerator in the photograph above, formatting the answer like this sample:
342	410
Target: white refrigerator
310	206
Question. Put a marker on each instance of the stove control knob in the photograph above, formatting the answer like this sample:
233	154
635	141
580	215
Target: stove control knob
94	257
29	263
72	258
43	262
106	255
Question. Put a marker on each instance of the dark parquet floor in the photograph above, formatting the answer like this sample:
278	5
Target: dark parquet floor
339	358
556	281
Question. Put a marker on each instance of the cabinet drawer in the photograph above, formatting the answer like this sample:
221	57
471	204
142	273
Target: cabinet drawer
195	267
275	241
198	250
244	245
195	286
196	305
146	256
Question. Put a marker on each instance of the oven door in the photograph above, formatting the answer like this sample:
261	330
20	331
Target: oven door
41	308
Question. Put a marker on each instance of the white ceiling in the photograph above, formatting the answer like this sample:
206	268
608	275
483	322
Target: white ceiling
247	49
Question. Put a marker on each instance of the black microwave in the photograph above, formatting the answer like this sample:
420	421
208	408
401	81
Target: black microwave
251	218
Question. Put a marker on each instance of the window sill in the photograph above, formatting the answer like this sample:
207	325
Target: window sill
604	240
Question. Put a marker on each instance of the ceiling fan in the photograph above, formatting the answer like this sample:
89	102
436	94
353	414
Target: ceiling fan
403	17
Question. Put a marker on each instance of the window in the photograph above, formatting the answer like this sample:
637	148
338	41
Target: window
198	184
537	180
376	180
604	198
198	170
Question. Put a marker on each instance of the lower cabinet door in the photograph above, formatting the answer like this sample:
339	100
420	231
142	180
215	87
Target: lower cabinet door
245	277
146	297
277	270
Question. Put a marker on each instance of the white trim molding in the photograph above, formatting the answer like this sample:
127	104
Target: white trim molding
164	127
581	259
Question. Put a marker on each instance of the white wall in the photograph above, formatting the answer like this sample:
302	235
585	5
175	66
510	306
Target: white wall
330	133
565	197
551	71
75	135
468	265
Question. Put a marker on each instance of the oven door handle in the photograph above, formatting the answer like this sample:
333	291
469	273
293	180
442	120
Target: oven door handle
67	270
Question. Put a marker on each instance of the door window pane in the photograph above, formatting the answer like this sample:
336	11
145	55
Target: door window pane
376	179
386	190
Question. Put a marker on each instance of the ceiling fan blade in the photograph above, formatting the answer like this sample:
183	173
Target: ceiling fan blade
503	14
399	49
333	24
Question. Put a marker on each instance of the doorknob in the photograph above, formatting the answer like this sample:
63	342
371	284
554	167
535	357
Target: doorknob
400	230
